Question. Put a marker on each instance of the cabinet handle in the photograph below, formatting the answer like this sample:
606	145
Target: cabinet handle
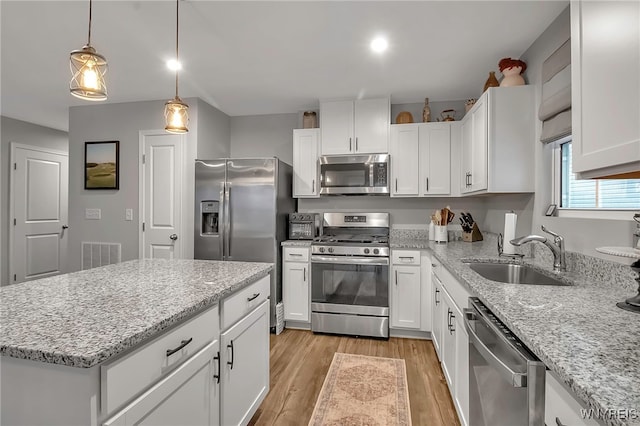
434	265
349	144
230	345
254	297
217	376
449	315
356	144
396	184
313	185
559	423
470	180
182	345
427	184
452	329
396	277
295	254
436	297
304	274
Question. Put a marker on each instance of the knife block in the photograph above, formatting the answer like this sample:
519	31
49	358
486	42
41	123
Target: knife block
474	235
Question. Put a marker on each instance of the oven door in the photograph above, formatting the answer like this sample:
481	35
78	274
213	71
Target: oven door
350	285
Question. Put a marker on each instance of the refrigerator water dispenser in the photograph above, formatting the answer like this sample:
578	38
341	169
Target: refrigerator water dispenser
210	214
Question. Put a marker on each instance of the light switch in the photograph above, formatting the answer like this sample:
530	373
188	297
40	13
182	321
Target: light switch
93	214
128	214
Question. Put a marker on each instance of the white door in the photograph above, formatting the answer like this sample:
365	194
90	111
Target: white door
479	146
39	202
295	291
435	159
305	162
336	127
462	371
405	162
162	198
436	315
465	155
371	126
405	297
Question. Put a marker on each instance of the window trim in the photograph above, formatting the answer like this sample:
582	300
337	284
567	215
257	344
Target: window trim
556	192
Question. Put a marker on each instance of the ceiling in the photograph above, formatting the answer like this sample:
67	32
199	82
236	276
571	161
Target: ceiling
261	57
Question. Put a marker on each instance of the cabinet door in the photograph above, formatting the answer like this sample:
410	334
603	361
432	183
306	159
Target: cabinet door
436	315
295	291
245	367
336	127
605	105
435	159
466	154
405	297
448	344
405	163
461	389
187	396
479	141
372	126
305	163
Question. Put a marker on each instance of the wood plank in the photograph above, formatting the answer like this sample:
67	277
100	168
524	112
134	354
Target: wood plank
300	361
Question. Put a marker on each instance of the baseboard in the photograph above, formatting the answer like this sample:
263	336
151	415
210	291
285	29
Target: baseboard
409	334
298	325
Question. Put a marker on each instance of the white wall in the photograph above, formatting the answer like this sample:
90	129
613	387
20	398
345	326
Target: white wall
214	132
17	131
264	136
123	122
581	235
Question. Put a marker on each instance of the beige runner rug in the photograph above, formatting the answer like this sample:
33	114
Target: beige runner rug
363	391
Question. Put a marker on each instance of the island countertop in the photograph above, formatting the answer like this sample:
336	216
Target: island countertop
83	318
576	330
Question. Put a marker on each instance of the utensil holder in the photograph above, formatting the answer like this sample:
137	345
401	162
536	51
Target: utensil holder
474	235
440	234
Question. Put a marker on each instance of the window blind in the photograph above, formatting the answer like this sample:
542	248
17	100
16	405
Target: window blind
555	108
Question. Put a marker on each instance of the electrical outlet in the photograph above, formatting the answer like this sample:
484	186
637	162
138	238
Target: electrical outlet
128	214
93	214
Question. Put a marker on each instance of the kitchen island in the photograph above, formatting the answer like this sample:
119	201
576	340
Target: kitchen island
83	347
588	343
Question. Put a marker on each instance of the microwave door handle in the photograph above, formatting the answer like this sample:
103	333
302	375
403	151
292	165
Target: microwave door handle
371	181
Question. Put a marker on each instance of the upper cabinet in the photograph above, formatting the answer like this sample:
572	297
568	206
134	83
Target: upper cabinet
305	163
605	87
498	142
355	127
421	159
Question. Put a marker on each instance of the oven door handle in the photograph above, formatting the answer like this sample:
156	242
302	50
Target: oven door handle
350	260
517	380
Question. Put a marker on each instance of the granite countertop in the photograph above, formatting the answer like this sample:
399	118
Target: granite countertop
576	330
296	243
83	318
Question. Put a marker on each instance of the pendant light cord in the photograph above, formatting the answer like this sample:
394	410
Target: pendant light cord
89	39
177	32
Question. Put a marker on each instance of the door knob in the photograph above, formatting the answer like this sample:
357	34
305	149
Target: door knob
173	236
65	227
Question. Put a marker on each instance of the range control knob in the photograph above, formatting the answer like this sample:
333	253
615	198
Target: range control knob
330	249
366	251
321	249
376	251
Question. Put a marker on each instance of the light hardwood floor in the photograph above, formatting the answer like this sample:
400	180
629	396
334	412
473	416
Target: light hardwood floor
300	360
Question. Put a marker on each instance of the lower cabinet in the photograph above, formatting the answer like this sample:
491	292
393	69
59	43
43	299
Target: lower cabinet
187	396
410	290
437	308
244	367
561	407
295	284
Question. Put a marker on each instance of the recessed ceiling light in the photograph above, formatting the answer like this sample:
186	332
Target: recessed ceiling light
174	65
379	44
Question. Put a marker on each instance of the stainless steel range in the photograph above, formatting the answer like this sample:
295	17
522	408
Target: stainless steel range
350	275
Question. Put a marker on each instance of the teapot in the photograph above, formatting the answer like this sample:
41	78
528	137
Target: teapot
448	115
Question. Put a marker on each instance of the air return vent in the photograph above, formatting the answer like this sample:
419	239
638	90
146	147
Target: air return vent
99	254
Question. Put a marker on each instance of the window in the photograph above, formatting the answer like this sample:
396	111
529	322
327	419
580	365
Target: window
615	194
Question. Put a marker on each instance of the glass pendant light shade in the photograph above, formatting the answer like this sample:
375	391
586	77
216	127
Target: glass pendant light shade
87	74
88	68
176	116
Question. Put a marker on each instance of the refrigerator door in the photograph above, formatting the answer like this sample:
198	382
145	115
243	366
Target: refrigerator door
251	209
209	209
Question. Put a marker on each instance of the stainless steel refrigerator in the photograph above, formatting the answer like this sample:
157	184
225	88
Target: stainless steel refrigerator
242	207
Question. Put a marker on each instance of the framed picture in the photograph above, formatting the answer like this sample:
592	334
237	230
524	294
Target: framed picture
101	165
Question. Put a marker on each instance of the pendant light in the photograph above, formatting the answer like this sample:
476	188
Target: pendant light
176	112
87	71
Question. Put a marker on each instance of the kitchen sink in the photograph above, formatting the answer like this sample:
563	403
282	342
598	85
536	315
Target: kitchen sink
513	274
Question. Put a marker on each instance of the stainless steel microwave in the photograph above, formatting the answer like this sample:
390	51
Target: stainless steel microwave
354	174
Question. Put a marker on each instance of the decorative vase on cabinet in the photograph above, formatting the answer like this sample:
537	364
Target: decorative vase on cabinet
492	81
426	111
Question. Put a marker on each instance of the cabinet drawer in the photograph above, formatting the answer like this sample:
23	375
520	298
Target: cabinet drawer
295	254
127	376
560	407
405	257
241	303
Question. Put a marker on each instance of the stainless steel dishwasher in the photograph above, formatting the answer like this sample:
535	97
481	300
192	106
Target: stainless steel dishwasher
506	381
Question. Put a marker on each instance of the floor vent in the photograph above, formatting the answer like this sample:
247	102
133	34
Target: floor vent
99	254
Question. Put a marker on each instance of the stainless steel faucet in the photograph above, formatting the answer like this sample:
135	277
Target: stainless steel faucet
556	247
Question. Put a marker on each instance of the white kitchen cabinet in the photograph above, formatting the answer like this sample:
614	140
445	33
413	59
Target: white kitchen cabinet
437	316
448	344
498	141
420	159
295	284
406	290
244	367
305	163
355	127
605	88
461	387
187	396
561	407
